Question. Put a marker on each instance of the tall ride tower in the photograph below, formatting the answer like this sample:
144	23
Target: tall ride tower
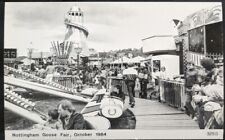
76	32
74	43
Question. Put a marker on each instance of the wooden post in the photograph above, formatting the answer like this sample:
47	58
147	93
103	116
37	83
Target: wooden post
205	50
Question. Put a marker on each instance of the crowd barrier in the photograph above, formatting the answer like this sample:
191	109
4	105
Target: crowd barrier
67	81
173	93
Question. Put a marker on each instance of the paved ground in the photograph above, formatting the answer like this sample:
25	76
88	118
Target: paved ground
151	114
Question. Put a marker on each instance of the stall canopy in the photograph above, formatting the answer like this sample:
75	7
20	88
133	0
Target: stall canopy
27	61
137	59
107	61
95	63
148	58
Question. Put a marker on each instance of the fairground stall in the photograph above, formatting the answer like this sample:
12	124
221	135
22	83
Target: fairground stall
162	52
201	35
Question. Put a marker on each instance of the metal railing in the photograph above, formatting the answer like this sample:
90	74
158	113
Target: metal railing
69	81
217	57
214	55
173	93
196	57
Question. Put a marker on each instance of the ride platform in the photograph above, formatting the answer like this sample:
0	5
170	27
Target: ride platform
154	115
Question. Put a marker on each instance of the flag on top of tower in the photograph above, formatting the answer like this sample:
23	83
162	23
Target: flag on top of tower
177	22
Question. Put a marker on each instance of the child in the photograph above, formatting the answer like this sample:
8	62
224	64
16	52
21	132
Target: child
53	121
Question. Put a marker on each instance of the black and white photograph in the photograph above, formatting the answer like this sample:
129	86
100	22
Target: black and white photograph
78	70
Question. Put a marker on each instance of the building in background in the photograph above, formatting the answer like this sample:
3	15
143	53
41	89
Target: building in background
201	35
163	52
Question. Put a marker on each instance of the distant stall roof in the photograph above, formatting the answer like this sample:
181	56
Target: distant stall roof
148	58
137	59
107	61
95	58
95	63
28	61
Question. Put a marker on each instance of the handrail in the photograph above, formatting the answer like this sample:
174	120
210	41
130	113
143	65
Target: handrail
23	112
173	93
69	81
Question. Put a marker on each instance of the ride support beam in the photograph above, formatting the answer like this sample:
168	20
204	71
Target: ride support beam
29	85
23	112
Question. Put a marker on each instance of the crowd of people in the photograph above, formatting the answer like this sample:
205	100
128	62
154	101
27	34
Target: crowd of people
205	99
94	76
204	85
136	79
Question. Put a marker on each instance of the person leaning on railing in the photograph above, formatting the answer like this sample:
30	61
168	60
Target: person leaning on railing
191	79
211	102
211	98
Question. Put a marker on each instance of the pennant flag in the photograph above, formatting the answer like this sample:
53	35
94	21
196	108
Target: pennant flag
176	21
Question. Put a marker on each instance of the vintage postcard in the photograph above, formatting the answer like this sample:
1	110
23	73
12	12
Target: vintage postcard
113	70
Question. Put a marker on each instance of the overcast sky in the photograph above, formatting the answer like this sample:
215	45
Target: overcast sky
112	25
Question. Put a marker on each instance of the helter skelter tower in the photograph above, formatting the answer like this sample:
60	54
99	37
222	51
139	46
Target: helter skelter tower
75	40
76	32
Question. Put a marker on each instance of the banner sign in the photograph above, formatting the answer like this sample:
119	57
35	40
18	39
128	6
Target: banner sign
213	15
206	16
201	18
197	19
